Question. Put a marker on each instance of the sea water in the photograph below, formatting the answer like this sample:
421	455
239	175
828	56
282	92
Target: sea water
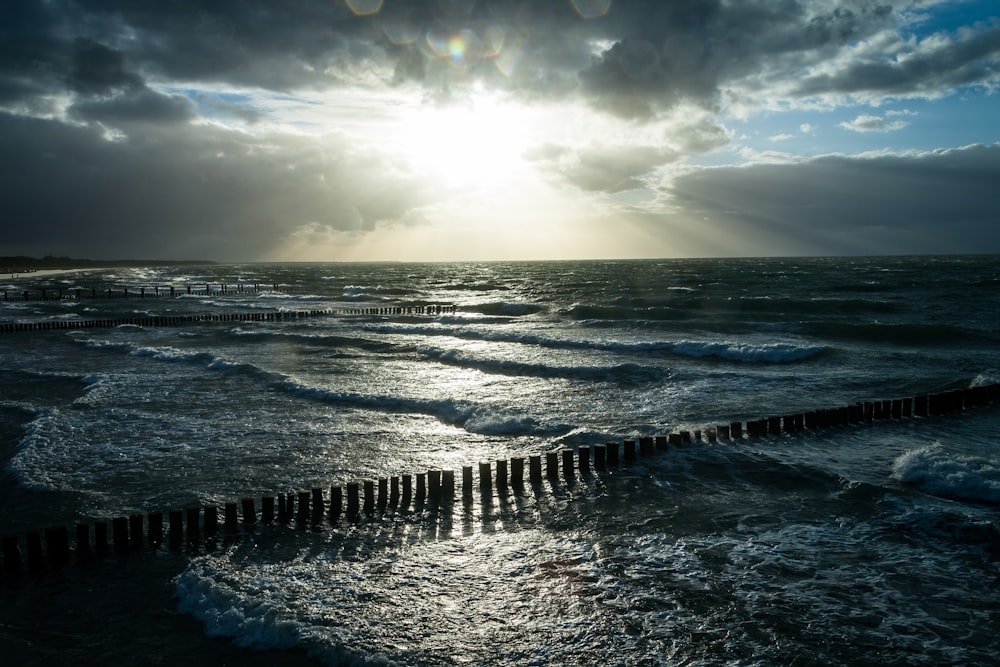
870	544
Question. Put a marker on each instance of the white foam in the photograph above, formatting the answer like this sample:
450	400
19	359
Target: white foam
942	473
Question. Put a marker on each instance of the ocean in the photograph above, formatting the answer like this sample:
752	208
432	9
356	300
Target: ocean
867	544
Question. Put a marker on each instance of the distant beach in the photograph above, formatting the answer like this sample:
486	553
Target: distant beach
23	275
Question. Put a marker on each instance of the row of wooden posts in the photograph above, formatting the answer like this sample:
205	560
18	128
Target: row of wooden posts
117	291
271	316
371	500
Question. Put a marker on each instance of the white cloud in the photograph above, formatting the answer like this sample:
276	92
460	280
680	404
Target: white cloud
869	123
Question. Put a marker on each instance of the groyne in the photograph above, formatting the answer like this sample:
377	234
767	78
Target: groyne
257	316
371	500
149	291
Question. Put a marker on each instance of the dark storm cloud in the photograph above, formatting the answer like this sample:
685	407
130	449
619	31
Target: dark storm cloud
206	192
939	202
641	57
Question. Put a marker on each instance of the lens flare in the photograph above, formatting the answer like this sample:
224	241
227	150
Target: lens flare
591	9
364	7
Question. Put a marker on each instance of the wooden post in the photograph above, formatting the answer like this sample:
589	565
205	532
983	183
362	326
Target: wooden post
119	530
567	463
101	537
193	529
249	510
552	464
12	560
303	506
176	518
57	541
267	509
135	524
393	491
485	474
447	485
434	485
421	487
83	540
629	450
36	562
352	500
535	468
232	518
600	457
501	473
517	471
383	494
155	528
583	458
407	490
611	452
211	520
336	502
318	505
369	507
466	481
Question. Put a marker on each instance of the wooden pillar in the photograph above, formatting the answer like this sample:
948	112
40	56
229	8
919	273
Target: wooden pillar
501	473
155	528
447	485
336	502
193	529
36	561
211	520
629	450
517	471
583	458
57	542
421	487
407	490
319	505
552	464
353	502
466	481
176	518
383	495
485	483
12	559
611	450
232	517
83	540
101	537
434	485
369	507
267	509
119	531
600	457
535	468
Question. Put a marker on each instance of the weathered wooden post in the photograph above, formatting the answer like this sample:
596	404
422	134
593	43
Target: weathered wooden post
267	509
12	560
535	468
485	483
36	562
135	525
176	518
421	494
466	481
318	504
629	446
501	473
407	490
434	485
552	464
83	540
611	452
600	457
336	502
211	520
394	491
155	528
353	501
583	458
369	507
517	471
383	495
249	510
567	463
57	541
232	517
193	529
447	485
119	531
101	537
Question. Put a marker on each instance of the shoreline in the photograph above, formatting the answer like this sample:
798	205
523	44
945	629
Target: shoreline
27	275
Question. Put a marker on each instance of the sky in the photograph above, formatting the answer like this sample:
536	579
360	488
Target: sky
439	130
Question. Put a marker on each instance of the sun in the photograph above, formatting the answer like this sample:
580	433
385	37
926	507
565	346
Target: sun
476	143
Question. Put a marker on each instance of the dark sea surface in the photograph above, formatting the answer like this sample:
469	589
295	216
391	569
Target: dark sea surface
866	544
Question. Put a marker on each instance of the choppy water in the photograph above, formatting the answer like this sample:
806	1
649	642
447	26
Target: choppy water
870	544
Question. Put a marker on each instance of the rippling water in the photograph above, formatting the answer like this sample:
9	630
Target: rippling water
864	545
